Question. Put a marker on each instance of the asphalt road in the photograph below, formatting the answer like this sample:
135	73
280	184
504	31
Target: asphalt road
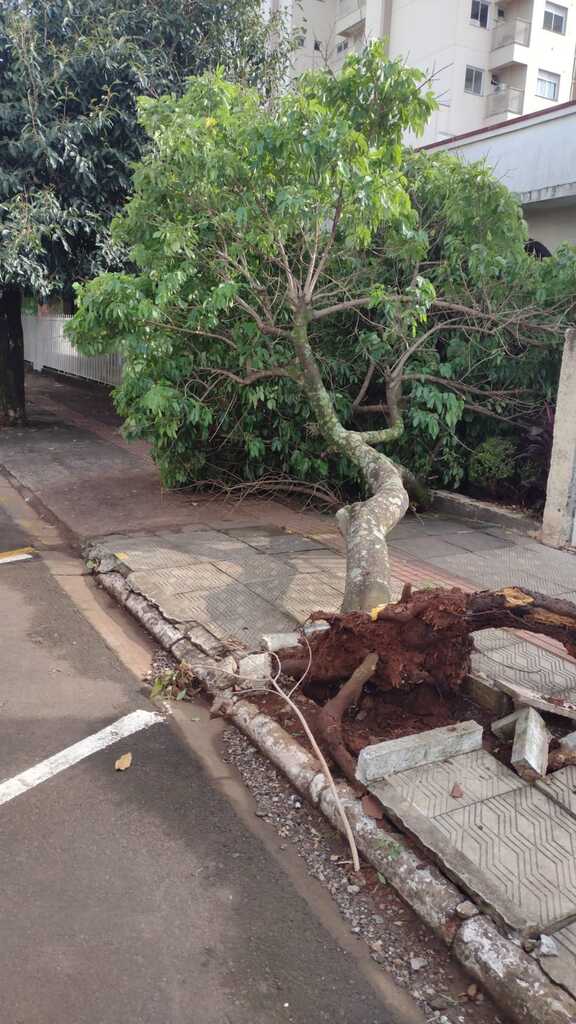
142	897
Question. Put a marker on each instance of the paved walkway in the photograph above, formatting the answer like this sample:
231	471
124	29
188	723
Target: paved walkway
258	567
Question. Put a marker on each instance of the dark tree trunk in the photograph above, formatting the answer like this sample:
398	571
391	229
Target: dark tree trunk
12	396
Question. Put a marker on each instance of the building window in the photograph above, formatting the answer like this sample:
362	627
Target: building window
555	18
342	46
548	85
479	13
317	45
474	81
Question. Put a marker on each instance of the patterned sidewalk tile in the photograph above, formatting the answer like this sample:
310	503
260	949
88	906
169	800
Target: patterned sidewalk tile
254	565
495	639
160	583
233	611
530	665
526	844
561	786
274	541
479	775
299	595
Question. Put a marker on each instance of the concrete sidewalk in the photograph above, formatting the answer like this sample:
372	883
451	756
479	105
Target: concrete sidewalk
75	464
223	572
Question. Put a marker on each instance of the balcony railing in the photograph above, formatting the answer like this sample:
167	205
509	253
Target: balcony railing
507	32
346	7
505	100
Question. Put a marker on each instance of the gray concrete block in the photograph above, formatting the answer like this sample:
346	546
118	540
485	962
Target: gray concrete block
383	759
280	641
505	728
255	669
568	742
531	742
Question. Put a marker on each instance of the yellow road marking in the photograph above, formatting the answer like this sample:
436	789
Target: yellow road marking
17	554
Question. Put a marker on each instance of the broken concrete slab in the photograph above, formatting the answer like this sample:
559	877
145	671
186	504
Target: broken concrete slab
531	741
485	692
504	728
456	862
506	842
479	775
512	669
568	742
280	641
383	759
284	641
255	669
561	968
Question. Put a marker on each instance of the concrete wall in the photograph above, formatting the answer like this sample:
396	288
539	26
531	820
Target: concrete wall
559	522
552	225
550	52
536	159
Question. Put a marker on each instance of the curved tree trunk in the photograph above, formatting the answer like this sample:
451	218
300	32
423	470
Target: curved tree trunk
365	524
12	398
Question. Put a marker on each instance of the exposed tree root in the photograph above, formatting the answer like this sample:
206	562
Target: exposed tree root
330	717
427	636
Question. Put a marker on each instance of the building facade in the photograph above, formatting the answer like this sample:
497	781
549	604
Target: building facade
535	157
489	61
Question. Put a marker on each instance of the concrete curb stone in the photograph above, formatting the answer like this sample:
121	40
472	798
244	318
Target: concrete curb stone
513	979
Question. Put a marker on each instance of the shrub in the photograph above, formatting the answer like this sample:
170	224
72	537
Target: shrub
492	464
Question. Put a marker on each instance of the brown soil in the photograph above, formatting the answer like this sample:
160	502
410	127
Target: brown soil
383	716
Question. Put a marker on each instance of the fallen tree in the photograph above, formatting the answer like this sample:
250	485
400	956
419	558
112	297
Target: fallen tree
251	228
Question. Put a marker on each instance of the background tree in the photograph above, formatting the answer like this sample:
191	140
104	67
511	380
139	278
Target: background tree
70	75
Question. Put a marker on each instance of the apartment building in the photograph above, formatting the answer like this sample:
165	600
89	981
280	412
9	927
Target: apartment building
489	61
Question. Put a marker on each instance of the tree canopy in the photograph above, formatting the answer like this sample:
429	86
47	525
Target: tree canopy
424	311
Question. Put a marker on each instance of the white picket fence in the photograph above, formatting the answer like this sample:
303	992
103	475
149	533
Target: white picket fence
46	345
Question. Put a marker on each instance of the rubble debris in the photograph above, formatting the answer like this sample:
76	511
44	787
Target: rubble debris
530	750
467	909
382	759
254	669
504	728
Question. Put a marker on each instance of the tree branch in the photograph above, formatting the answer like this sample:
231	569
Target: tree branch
340	307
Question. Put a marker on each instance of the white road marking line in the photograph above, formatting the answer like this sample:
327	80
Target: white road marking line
14	558
131	723
16	555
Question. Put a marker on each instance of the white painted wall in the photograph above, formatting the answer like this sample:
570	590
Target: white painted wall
550	52
529	156
536	159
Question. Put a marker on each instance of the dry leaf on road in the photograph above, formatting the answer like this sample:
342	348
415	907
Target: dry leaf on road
456	791
123	762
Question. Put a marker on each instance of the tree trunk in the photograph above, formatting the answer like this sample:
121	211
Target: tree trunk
12	397
365	524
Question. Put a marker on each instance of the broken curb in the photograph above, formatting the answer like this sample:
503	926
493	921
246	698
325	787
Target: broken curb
515	980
